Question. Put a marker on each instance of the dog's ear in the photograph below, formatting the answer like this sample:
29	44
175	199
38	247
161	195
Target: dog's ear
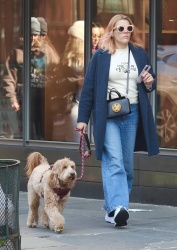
57	167
51	175
53	179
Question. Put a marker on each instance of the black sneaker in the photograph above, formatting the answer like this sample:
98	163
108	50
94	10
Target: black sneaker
121	216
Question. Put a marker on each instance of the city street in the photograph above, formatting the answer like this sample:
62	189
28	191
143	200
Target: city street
150	227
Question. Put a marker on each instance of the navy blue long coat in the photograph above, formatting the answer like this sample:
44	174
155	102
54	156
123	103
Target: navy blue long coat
94	95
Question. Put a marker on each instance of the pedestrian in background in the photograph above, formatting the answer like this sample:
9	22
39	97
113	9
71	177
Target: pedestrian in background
97	32
117	138
51	78
70	84
13	76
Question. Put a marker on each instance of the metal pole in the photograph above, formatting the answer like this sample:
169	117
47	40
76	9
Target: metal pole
26	71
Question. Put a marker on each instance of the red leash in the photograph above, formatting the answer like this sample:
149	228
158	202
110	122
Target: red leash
84	154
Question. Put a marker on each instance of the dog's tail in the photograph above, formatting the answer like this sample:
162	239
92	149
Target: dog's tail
33	160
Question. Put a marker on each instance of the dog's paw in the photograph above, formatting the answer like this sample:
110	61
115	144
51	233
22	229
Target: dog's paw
57	224
32	225
45	224
59	229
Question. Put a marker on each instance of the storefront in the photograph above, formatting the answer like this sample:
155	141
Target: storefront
40	88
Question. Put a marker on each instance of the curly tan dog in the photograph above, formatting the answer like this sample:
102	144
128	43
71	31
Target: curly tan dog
51	183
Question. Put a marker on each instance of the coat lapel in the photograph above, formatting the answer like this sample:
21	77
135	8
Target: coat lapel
137	56
103	73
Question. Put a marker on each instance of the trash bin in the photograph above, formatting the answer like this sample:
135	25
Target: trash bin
9	204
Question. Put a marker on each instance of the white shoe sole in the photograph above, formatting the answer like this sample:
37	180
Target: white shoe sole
109	219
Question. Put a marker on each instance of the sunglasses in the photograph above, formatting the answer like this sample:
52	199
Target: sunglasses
129	28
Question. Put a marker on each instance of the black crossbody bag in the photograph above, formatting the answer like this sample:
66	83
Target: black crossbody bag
121	104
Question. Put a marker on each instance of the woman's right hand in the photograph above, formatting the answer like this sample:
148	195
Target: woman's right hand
82	126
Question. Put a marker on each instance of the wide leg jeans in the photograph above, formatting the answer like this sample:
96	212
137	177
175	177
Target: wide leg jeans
118	159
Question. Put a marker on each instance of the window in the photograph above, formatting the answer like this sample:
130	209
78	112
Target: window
167	74
11	61
137	10
57	68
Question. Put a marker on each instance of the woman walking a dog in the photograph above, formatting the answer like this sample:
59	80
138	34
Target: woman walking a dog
120	54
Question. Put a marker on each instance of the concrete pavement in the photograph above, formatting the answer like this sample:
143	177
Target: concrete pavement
150	227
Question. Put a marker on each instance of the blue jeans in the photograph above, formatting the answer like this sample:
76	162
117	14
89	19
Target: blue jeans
118	159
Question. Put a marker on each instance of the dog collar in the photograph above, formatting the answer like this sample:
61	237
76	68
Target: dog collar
61	192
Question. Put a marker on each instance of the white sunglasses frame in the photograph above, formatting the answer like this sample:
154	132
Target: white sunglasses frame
117	28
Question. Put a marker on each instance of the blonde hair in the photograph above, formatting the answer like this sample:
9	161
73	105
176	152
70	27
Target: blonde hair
37	44
107	41
74	52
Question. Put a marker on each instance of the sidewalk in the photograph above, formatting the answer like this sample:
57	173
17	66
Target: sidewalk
149	227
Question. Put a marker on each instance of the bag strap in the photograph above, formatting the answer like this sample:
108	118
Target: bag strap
128	72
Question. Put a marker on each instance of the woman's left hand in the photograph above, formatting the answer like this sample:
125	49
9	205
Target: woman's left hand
147	78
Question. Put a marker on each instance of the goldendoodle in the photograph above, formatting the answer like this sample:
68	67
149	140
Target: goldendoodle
54	184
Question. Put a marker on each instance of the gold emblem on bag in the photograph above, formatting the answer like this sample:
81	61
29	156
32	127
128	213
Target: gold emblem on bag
116	107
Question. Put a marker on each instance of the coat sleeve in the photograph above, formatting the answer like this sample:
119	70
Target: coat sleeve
153	87
10	77
87	93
